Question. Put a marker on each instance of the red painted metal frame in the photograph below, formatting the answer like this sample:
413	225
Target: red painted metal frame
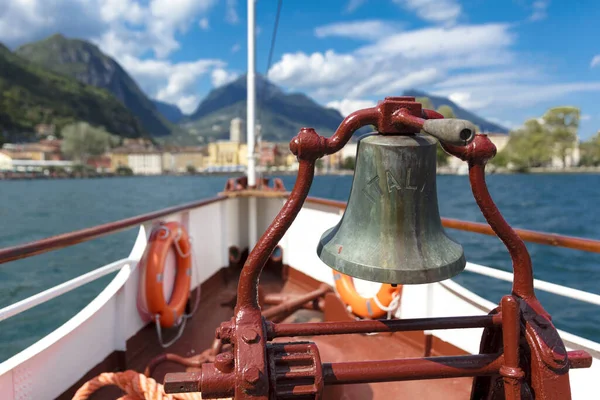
519	325
386	325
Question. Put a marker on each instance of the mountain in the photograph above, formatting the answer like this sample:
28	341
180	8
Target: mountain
459	112
86	63
30	95
170	111
281	115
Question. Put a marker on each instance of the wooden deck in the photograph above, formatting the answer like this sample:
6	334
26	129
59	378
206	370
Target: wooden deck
199	335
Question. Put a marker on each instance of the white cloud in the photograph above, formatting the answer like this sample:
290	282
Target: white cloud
396	62
347	106
139	34
502	95
204	24
353	5
178	13
128	10
539	10
474	65
586	117
448	43
366	29
466	100
491	76
153	24
171	82
231	14
221	77
24	20
235	48
595	61
327	70
441	11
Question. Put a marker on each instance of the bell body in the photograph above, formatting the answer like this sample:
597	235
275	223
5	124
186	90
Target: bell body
391	231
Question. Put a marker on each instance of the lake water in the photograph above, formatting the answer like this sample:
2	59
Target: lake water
32	210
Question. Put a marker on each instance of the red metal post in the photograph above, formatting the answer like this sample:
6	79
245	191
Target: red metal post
511	333
411	369
386	325
295	304
477	154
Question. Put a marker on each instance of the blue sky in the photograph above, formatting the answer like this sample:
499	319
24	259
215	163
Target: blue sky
507	60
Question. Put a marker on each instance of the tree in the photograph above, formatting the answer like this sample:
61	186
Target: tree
425	102
530	146
501	159
446	111
81	140
191	169
124	171
590	151
349	163
562	124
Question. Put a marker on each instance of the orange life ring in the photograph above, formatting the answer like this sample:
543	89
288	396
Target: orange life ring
168	235
365	308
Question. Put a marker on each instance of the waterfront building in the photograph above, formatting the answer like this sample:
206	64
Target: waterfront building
227	153
5	162
39	151
9	163
349	150
180	160
101	163
141	159
456	165
237	130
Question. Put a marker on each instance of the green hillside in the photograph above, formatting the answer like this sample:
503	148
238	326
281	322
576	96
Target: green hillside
30	95
85	62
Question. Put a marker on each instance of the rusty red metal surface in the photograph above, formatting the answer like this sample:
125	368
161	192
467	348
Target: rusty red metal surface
412	368
477	154
241	183
511	332
285	308
521	352
385	325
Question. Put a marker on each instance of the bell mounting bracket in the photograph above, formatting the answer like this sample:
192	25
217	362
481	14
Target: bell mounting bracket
520	346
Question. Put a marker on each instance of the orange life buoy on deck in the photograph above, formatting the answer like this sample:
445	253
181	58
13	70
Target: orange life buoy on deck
365	308
170	234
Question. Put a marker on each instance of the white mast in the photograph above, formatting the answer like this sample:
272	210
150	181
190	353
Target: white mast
251	123
251	85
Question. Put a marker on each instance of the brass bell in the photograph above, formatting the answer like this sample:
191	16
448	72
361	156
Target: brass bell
391	231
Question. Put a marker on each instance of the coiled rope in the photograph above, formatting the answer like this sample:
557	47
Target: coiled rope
135	385
392	308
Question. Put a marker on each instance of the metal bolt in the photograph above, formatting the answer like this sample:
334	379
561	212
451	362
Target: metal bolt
250	335
224	362
224	332
251	375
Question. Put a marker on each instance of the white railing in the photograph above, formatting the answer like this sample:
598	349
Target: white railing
65	287
564	291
